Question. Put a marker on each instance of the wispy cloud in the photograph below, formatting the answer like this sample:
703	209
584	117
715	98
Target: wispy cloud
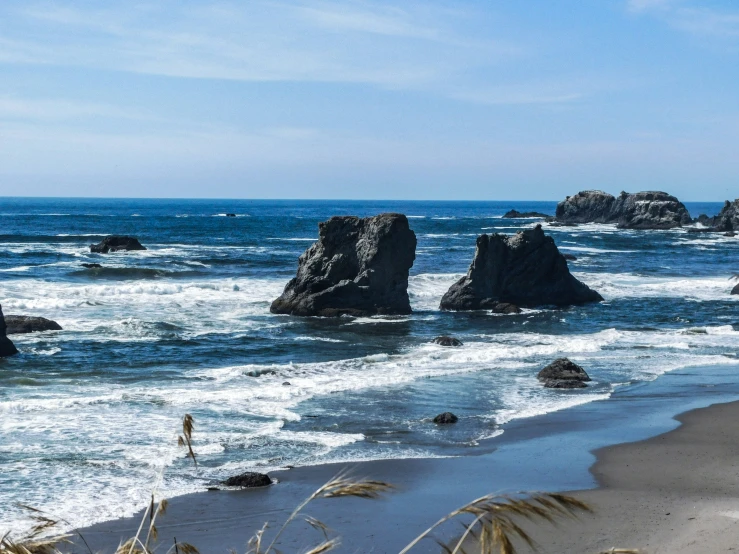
697	19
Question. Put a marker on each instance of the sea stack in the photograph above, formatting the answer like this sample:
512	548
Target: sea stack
115	243
640	210
525	269
358	267
7	348
727	219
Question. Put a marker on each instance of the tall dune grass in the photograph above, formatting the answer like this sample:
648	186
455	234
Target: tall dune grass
492	523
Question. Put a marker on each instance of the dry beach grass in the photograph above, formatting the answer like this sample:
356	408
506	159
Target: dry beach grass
492	523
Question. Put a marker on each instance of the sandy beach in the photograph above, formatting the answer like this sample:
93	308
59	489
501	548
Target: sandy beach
674	492
677	492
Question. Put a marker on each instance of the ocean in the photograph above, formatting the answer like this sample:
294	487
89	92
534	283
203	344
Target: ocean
89	415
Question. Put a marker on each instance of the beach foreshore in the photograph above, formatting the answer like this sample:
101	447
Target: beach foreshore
645	494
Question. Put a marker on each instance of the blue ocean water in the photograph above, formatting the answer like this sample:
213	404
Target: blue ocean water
89	415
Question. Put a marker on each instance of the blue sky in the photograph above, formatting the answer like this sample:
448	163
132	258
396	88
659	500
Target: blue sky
487	100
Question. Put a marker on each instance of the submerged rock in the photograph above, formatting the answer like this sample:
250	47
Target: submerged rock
640	210
114	243
563	374
7	348
230	215
447	341
570	257
445	418
92	266
18	324
249	480
358	266
515	214
525	269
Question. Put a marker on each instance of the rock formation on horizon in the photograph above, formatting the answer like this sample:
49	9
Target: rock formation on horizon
515	214
18	324
726	220
640	210
525	269
7	348
114	243
358	267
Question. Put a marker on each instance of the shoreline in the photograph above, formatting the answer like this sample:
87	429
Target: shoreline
553	452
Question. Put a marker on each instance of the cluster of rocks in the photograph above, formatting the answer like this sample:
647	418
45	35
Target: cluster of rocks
641	210
727	221
360	267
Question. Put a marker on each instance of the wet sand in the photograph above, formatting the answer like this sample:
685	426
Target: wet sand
648	491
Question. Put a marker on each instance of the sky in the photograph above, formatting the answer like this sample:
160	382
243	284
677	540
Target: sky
367	99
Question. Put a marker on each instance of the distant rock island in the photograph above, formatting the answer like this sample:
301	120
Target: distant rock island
640	210
525	269
114	243
515	214
358	267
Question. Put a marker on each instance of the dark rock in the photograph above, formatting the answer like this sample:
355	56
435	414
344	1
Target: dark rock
114	243
17	324
728	217
570	257
703	219
730	234
641	210
7	348
92	266
735	290
286	384
358	267
588	206
445	418
514	214
230	215
650	210
524	270
447	341
564	384
561	370
249	479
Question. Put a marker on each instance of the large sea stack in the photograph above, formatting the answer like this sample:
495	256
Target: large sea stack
7	348
358	267
640	210
525	269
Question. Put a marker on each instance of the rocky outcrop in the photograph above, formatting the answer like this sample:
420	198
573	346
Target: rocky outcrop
735	290
115	243
563	374
7	348
640	210
358	267
588	206
19	324
525	269
447	341
727	219
248	480
92	266
515	214
445	418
